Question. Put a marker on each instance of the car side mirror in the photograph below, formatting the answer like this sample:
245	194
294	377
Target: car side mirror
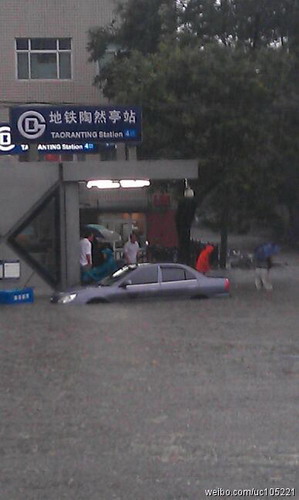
126	283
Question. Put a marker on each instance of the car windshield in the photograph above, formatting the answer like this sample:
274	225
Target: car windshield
117	275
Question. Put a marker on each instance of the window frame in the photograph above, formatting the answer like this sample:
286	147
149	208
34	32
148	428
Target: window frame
181	269
57	51
140	270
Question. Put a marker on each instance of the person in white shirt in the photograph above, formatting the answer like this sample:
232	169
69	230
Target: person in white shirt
131	250
86	251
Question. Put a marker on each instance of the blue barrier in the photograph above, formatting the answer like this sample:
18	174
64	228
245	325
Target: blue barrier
17	296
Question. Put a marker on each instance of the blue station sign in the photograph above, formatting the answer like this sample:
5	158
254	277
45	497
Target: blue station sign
7	147
75	124
86	148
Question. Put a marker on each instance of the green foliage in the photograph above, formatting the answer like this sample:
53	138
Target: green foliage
250	23
217	81
144	24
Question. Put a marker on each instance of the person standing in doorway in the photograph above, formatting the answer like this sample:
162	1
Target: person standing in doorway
86	251
131	250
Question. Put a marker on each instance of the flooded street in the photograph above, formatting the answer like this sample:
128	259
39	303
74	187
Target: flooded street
151	401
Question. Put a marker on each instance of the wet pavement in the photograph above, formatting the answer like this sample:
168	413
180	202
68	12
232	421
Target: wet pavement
152	401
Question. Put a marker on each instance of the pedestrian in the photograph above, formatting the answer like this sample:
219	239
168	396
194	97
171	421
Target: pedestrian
108	266
98	246
263	264
86	252
203	264
131	250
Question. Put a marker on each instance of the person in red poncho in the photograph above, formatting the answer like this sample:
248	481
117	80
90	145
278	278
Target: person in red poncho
203	260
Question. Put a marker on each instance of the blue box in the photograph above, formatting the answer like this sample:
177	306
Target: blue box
17	296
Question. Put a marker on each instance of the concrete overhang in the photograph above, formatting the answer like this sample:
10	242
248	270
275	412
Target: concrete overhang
144	169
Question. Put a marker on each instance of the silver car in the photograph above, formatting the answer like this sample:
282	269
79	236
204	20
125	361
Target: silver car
145	281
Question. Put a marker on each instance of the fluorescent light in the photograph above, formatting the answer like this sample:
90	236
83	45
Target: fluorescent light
127	183
103	184
134	184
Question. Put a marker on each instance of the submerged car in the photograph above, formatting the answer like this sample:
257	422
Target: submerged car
144	281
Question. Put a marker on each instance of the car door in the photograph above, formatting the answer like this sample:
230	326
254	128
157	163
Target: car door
143	282
178	281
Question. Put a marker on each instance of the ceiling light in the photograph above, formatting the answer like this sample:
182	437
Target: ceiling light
103	184
134	183
126	183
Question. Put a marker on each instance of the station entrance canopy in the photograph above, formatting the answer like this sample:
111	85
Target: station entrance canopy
144	169
75	124
42	229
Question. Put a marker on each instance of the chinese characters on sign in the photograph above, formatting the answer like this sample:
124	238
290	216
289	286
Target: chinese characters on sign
96	117
76	124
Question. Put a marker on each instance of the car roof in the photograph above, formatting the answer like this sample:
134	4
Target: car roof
172	264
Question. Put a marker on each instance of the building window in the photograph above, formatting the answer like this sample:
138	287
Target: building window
43	58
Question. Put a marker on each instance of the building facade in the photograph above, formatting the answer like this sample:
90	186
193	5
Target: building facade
43	57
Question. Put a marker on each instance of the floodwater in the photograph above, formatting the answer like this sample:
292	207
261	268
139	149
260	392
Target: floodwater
152	401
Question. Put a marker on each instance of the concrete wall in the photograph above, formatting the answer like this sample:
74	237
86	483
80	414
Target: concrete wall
144	169
22	185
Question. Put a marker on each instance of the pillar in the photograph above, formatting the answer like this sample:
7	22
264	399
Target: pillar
69	234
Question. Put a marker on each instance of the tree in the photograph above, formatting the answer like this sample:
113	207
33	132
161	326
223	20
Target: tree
139	25
207	91
250	23
283	75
